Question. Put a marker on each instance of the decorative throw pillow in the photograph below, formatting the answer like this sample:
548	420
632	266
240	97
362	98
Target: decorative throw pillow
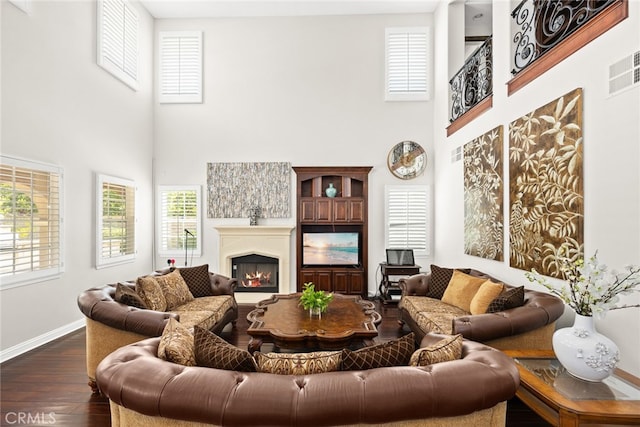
391	353
440	278
127	295
151	293
512	298
488	292
175	290
197	280
298	363
214	352
176	344
461	290
449	348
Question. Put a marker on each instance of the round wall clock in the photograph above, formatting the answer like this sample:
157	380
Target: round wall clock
407	160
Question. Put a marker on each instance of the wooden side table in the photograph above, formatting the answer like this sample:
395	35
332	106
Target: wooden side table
387	283
566	401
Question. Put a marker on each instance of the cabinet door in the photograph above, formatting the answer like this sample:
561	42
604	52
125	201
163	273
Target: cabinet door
340	282
307	210
340	210
323	280
323	210
355	283
356	210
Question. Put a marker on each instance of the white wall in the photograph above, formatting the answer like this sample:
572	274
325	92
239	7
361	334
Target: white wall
611	155
304	90
59	107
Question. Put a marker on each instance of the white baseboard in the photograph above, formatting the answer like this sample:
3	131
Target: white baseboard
28	345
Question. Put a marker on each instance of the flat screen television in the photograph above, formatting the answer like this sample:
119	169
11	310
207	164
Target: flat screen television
331	248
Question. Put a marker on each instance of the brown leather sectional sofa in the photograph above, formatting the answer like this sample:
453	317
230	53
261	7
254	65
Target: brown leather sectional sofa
111	325
529	326
469	391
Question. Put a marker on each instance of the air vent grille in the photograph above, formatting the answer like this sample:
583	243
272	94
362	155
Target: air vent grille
624	74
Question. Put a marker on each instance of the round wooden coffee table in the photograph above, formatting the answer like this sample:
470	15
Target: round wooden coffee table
348	321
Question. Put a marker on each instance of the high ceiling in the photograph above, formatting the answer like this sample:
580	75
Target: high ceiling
229	8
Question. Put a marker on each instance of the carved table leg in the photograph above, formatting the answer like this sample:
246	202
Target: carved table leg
254	345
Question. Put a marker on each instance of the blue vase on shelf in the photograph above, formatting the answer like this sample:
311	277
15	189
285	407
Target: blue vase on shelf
331	191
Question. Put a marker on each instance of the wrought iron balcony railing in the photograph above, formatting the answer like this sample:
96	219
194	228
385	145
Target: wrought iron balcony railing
540	25
473	82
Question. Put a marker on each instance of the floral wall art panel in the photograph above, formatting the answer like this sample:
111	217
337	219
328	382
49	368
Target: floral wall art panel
235	188
483	196
546	194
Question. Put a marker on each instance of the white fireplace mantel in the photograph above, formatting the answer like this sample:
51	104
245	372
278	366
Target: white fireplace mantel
272	241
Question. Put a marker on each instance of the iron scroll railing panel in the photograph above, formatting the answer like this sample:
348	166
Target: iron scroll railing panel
473	82
540	25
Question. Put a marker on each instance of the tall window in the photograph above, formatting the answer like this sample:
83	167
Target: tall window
116	230
30	222
407	218
407	64
180	67
117	39
179	220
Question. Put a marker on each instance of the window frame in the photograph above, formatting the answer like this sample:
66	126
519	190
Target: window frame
180	97
101	261
55	270
408	95
425	191
160	235
118	68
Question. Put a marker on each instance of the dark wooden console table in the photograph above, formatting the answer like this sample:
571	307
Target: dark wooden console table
387	284
348	320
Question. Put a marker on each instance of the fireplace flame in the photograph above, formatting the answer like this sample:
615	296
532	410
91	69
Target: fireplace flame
254	280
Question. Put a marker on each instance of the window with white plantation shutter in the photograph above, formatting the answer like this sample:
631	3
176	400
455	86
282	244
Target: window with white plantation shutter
116	222
117	38
30	222
180	67
407	64
407	218
178	209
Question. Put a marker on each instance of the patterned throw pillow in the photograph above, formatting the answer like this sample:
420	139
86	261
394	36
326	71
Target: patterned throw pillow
391	353
176	344
197	279
449	348
127	295
175	290
461	290
440	278
212	351
298	363
488	292
511	298
151	293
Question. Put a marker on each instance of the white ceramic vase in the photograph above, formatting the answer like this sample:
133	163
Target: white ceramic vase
585	353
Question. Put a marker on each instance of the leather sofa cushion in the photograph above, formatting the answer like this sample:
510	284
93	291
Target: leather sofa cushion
461	290
197	279
391	353
176	344
447	349
510	298
212	351
298	363
488	291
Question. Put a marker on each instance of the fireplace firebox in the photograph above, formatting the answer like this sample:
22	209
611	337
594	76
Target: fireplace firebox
255	273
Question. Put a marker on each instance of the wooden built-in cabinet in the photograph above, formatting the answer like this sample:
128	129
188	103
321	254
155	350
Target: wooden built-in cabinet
346	212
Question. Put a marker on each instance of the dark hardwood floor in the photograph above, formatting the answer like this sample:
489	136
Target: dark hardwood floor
48	385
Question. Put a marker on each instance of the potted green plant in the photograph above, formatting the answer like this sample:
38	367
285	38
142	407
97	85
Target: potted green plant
314	301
